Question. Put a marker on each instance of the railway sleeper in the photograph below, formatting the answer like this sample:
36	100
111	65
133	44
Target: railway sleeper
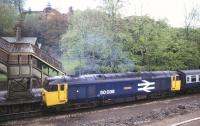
18	108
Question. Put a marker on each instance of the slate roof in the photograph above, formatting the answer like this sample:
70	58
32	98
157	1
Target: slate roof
31	40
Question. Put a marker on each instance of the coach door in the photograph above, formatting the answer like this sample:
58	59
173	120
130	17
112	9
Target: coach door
175	83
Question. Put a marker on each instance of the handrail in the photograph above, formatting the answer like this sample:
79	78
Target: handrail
29	48
5	45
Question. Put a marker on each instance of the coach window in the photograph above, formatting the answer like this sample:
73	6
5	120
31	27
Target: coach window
188	79
193	78
199	78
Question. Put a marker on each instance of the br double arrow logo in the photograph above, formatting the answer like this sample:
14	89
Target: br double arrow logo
146	86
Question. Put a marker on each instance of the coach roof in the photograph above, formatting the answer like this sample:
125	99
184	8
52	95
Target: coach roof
191	72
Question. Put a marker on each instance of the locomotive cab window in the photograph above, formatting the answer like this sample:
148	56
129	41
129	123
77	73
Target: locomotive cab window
177	77
174	78
62	87
53	88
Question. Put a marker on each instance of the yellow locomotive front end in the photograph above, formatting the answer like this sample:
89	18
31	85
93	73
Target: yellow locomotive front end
55	93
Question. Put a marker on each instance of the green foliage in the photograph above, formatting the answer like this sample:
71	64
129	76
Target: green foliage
3	77
101	41
102	45
157	46
70	66
10	13
8	18
47	27
90	41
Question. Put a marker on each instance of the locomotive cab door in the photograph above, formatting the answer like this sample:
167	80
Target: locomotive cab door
175	83
62	91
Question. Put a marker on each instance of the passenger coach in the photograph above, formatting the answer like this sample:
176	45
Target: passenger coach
190	79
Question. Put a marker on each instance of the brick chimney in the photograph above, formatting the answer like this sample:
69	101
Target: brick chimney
18	34
18	26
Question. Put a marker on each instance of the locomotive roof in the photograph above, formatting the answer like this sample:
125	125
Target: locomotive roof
191	72
123	76
128	75
111	77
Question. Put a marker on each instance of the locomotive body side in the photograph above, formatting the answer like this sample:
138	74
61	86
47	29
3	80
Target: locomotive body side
110	89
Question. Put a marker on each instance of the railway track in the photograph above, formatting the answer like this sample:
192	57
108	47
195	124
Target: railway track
118	106
15	110
74	111
20	115
71	117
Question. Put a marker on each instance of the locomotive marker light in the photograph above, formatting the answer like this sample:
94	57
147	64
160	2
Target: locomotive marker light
146	86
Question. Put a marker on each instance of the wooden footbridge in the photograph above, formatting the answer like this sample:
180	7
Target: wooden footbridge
23	67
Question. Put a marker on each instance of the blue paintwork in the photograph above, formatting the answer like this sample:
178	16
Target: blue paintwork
191	85
79	92
120	85
185	85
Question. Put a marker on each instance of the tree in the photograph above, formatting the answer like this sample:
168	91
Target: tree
153	45
17	4
48	26
149	44
112	9
8	18
191	21
89	40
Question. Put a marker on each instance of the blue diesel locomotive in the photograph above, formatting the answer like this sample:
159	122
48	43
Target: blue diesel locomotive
117	87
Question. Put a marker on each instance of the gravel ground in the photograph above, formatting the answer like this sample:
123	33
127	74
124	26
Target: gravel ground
129	115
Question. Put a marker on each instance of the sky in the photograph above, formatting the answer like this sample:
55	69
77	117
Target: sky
172	10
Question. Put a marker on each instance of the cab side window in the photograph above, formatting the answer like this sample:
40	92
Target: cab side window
177	77
53	88
62	87
174	78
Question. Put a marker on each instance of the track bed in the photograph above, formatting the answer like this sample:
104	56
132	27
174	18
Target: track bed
139	113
